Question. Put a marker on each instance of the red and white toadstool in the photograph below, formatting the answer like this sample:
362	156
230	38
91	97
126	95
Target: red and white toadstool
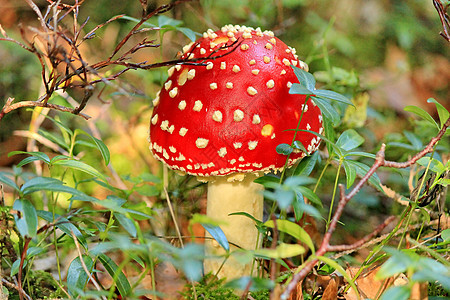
222	121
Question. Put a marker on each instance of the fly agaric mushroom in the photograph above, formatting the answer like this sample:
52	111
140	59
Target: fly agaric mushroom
222	120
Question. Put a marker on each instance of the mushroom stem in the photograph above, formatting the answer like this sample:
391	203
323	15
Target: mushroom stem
224	198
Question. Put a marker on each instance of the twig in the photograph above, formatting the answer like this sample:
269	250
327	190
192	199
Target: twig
169	204
8	107
88	273
445	19
13	286
22	259
344	199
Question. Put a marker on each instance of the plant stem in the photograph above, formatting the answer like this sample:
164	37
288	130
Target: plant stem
330	212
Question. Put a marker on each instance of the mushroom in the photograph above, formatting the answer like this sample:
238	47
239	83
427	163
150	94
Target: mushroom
222	120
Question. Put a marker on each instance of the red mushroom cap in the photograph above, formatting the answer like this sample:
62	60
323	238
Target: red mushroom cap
230	115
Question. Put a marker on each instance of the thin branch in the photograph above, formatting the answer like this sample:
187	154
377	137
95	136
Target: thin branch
8	107
88	273
344	199
445	19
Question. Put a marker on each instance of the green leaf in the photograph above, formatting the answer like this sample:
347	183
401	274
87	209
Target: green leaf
294	230
166	21
190	34
350	173
284	149
25	218
217	233
341	271
305	78
119	277
190	260
307	164
298	145
327	110
301	207
349	140
127	223
8	181
401	292
99	144
63	224
435	165
421	113
397	263
308	193
37	184
16	265
283	250
362	169
81	166
333	96
38	155
442	112
446	235
257	222
255	284
76	275
299	89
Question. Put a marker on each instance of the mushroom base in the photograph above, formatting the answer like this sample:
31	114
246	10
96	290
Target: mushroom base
224	198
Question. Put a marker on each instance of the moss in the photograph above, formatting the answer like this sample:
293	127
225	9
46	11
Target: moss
211	288
42	286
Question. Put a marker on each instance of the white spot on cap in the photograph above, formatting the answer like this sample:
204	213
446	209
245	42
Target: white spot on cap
289	84
308	127
241	158
156	100
230	34
173	92
283	72
229	85
236	68
222	151
294	62
201	143
165	125
252	145
273	41
165	154
255	72
266	59
198	105
288	50
171	129
270	84
252	62
244	47
168	84
182	131
209	65
202	51
238	115
286	62
223	65
155	119
170	71
182	105
217	116
252	91
256	119
247	35
237	145
213	86
172	149
178	67
191	74
273	136
268	46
